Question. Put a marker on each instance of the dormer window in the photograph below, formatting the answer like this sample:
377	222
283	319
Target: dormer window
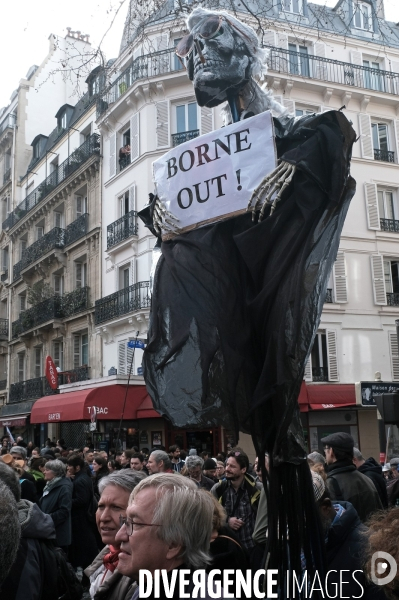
62	121
362	16
36	149
293	6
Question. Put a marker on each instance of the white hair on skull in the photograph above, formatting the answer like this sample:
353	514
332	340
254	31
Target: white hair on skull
258	55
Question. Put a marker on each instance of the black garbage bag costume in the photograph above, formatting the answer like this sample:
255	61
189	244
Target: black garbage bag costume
235	309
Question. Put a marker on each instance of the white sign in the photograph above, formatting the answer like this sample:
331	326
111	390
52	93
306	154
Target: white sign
212	177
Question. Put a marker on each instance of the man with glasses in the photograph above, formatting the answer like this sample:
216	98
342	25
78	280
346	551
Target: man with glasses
344	482
168	526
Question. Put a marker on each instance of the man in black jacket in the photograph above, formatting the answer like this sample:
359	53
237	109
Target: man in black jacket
373	471
344	482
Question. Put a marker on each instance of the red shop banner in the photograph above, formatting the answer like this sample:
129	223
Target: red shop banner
51	373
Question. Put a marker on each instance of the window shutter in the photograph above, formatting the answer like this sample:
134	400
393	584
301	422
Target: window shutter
373	217
79	211
58	219
56	354
161	42
366	140
377	270
269	38
78	275
133	271
206	120
340	284
132	197
356	58
129	356
396	127
320	67
393	346
134	137
57	285
76	351
122	347
112	155
331	336
162	109
282	41
308	370
290	104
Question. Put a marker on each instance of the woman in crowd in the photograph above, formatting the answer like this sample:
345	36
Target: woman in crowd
36	468
57	501
106	583
100	470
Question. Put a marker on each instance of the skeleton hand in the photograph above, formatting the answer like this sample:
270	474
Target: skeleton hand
163	220
276	181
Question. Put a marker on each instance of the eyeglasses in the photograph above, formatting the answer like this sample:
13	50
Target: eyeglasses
209	29
132	526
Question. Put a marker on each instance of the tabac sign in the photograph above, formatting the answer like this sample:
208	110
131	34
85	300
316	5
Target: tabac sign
212	177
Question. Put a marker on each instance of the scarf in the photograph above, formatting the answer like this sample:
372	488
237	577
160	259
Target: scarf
50	484
110	560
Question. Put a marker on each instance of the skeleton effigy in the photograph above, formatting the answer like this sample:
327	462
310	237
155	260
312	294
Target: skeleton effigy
237	303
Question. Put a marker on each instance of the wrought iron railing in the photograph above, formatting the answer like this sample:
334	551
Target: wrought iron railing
4	275
384	155
56	307
75	302
130	299
3	384
30	389
282	61
73	375
332	71
77	229
329	297
9	121
124	161
389	225
7	176
16	270
392	299
319	374
184	136
52	240
78	157
4	327
122	228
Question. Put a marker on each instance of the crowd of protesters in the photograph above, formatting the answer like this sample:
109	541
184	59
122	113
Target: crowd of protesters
112	515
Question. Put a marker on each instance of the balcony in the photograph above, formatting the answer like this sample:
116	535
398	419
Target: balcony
54	239
7	176
329	297
384	155
184	136
4	276
122	228
3	328
123	302
89	148
392	299
30	389
389	225
319	374
124	161
3	384
56	307
74	375
16	271
77	229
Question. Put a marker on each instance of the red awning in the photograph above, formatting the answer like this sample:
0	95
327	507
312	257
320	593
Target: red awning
146	410
15	422
303	398
331	396
76	406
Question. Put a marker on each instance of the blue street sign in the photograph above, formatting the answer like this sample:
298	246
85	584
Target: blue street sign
135	344
139	370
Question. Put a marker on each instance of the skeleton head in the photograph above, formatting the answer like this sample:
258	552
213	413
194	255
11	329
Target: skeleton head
230	57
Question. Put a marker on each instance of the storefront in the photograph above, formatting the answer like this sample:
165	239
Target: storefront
16	417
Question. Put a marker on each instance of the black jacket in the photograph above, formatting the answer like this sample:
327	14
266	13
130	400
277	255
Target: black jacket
83	548
58	503
344	482
373	471
344	548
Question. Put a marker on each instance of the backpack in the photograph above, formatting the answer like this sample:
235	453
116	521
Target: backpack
67	586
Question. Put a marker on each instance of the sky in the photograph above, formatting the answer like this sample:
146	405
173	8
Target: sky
27	25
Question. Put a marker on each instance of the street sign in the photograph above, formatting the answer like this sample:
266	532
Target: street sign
135	344
139	370
366	390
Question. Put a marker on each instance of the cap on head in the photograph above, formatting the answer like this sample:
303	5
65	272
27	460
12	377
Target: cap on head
192	452
319	486
209	464
394	462
339	441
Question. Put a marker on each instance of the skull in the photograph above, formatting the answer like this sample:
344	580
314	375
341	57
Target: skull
227	66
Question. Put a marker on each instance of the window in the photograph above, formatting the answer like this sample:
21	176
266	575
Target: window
62	121
58	354
21	366
299	62
5	259
38	362
381	142
300	112
22	302
186	117
372	78
81	274
58	285
362	17
319	358
39	232
124	151
294	6
36	150
58	219
22	247
177	64
29	188
391	276
80	350
387	205
124	277
94	86
81	206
